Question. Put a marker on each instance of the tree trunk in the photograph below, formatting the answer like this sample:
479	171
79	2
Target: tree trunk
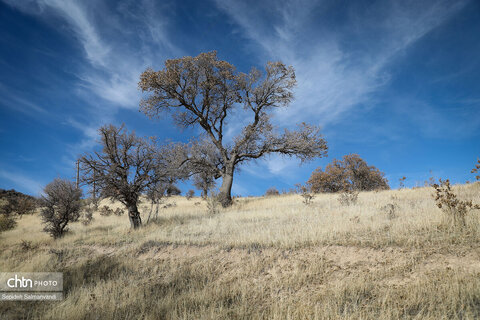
134	216
225	192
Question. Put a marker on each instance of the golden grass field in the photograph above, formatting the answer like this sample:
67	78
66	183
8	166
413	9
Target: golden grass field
263	258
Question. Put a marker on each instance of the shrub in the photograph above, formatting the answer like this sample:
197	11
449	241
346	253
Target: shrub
7	222
119	212
88	215
172	190
453	207
401	182
348	197
350	173
190	194
25	206
272	192
389	210
16	202
61	205
477	170
306	194
213	205
105	211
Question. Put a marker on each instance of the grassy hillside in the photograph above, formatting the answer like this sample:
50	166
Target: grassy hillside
272	258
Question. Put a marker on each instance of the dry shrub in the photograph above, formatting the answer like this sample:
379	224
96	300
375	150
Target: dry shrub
25	206
454	208
61	205
106	211
190	194
348	197
390	210
272	192
352	171
306	194
26	245
7	222
87	215
213	204
119	212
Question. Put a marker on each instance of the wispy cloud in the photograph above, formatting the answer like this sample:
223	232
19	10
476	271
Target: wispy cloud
339	68
22	182
334	77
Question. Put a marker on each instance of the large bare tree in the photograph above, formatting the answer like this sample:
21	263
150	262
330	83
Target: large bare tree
204	91
126	167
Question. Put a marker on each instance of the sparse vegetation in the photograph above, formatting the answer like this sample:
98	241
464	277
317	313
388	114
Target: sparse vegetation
261	258
454	208
348	197
7	222
105	211
190	194
306	194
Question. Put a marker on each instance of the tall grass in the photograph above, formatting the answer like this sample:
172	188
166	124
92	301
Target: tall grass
263	258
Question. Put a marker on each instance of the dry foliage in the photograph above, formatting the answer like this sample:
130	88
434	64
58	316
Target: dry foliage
61	205
262	258
451	205
204	91
477	169
272	192
127	166
348	197
106	211
350	173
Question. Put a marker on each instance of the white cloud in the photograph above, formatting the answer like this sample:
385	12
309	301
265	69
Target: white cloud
21	181
332	78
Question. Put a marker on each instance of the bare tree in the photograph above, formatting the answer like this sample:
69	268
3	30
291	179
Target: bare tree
203	91
61	204
126	167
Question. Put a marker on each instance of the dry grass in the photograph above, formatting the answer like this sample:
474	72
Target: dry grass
264	258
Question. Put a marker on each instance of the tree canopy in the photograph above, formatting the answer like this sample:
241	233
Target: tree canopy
203	91
350	173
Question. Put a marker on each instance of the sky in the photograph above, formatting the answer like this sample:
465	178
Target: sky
396	82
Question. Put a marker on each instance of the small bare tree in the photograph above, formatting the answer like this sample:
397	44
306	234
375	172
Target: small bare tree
126	167
61	204
204	91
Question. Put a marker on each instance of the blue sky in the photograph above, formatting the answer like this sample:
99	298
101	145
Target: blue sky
394	81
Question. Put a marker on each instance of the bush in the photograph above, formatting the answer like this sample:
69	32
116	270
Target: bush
7	222
272	192
348	197
16	202
119	212
25	206
390	210
350	173
213	205
190	194
306	194
453	207
61	205
172	190
106	211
